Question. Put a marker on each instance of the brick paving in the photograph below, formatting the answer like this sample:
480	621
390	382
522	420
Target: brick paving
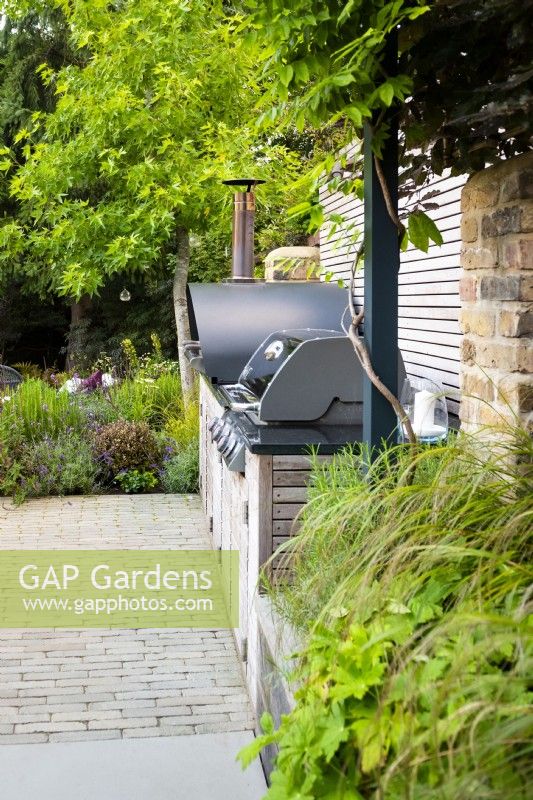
75	685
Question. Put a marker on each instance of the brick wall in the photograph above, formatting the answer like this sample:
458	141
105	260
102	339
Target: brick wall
496	291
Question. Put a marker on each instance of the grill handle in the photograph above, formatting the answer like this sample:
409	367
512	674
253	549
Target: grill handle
244	406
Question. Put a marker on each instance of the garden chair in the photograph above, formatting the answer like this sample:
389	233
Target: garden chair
9	377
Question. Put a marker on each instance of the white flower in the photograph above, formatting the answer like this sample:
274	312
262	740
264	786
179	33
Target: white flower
107	380
71	386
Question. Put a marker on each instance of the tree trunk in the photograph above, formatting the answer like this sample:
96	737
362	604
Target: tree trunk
180	311
79	320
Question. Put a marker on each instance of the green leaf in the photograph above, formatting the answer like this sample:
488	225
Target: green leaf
342	79
301	71
371	754
345	13
299	209
267	723
422	229
386	93
285	74
316	218
395	607
334	732
353	113
251	751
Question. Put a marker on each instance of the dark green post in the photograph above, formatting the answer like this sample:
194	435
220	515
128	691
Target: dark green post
382	261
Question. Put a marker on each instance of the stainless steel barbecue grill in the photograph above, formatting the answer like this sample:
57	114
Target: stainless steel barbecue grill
307	377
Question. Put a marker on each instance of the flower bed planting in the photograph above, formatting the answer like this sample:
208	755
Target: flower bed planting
71	434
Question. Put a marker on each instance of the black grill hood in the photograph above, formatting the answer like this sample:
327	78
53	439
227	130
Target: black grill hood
230	320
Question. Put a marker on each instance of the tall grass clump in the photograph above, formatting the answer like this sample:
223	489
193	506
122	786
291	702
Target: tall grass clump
147	399
36	410
414	603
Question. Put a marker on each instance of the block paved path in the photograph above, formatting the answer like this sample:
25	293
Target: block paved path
72	685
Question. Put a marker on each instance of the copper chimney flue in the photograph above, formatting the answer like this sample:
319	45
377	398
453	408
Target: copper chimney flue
242	257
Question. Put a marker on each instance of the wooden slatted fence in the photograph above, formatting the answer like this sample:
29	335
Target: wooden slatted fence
428	331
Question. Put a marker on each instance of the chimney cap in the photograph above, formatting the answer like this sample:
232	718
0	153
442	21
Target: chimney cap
248	182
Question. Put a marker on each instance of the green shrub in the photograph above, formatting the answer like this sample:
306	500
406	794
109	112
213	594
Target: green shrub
130	356
184	427
125	445
414	601
28	370
135	481
181	472
51	467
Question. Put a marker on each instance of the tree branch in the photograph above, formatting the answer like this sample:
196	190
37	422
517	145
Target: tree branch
388	200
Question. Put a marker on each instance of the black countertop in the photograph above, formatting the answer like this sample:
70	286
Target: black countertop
291	440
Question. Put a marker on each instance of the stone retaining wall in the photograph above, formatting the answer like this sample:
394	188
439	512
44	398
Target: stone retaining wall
496	291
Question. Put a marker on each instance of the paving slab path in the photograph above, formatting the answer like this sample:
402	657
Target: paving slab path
59	686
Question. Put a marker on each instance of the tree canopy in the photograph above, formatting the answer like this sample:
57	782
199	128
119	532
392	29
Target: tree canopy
24	44
462	90
140	139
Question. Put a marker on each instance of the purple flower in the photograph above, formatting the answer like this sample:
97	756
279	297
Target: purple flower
93	382
106	458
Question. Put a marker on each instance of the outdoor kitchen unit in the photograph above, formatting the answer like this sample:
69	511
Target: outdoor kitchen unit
279	379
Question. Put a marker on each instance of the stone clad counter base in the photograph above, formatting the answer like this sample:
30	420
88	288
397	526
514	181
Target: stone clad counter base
255	513
496	291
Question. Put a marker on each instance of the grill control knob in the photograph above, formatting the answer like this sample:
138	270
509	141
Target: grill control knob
217	431
227	443
223	441
232	444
